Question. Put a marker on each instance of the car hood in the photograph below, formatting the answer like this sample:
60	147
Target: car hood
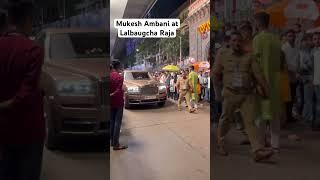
140	83
78	69
95	67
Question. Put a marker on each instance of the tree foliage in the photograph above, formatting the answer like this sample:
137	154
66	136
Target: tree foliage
171	46
148	46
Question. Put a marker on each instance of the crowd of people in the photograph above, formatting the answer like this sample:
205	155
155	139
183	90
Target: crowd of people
271	80
198	85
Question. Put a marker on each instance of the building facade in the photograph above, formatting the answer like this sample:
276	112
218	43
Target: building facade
199	30
219	8
236	11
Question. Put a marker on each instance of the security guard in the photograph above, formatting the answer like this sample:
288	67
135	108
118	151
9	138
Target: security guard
185	90
241	75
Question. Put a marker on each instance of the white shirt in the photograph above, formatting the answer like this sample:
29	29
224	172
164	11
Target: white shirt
208	82
172	82
172	85
163	79
316	67
200	79
228	33
299	37
292	56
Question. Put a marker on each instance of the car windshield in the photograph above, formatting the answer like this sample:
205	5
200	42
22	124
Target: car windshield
78	45
137	76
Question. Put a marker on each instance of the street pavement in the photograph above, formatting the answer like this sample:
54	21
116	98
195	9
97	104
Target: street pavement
78	159
296	160
164	144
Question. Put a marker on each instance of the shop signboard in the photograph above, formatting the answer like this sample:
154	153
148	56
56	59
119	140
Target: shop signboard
203	29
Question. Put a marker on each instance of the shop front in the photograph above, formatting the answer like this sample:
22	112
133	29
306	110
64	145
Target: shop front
199	30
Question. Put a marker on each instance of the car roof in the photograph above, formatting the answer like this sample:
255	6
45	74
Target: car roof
72	30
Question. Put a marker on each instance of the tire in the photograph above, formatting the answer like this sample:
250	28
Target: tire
161	104
126	104
51	141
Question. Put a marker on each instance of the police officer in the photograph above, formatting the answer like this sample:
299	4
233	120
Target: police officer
185	89
241	75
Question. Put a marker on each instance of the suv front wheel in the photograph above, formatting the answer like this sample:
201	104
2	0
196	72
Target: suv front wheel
51	140
126	104
161	104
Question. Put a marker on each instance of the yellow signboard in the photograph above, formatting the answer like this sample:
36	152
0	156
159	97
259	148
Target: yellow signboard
205	27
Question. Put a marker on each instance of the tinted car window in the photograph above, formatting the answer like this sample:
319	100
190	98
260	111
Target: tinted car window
78	45
137	76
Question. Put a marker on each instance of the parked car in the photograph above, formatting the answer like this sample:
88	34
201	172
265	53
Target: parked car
142	89
74	81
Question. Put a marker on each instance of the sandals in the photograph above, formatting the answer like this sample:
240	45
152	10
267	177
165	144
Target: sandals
262	154
119	147
275	150
294	137
192	110
222	151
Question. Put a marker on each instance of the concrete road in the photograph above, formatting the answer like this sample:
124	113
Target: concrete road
79	159
164	144
296	161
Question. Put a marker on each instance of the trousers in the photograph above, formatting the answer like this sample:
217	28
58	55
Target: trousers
21	162
116	121
184	94
316	122
246	103
274	126
307	110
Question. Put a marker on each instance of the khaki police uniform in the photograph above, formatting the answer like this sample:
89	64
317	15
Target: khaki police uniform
240	73
184	92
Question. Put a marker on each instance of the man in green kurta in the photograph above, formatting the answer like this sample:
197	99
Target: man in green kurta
267	49
193	79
